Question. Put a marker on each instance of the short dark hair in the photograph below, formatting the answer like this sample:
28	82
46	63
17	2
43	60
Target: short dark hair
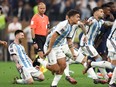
110	3
105	6
96	9
72	12
18	31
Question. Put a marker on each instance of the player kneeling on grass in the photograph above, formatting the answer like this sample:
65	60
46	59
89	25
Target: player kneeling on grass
23	62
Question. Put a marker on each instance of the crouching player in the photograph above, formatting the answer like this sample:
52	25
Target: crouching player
111	45
23	63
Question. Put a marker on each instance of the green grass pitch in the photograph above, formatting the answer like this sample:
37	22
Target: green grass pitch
8	72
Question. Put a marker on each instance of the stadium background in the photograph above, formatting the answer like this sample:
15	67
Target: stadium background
56	10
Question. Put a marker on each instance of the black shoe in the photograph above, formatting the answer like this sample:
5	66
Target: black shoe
96	81
53	86
15	80
112	85
35	62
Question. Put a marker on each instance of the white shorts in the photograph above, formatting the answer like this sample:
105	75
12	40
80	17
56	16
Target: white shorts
55	54
112	55
27	73
68	54
89	50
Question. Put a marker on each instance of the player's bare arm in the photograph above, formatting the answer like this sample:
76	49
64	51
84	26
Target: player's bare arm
4	43
33	38
108	23
71	47
52	40
15	59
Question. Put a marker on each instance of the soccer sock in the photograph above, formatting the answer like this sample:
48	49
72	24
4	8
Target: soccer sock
113	79
66	71
43	62
103	71
21	81
56	80
92	73
103	64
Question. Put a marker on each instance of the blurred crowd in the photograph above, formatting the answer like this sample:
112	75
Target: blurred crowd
21	11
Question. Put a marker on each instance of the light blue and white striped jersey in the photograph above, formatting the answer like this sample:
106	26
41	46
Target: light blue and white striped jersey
19	50
64	29
93	30
113	32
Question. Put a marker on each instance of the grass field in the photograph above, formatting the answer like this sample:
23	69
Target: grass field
8	72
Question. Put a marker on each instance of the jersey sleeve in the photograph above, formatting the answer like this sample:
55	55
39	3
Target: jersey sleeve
33	22
12	49
60	28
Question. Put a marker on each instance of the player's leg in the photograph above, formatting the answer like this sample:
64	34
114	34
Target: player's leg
61	60
37	74
26	77
113	79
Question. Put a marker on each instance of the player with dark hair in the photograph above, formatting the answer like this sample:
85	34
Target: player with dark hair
56	57
23	62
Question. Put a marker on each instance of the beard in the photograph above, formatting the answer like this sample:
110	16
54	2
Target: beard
20	41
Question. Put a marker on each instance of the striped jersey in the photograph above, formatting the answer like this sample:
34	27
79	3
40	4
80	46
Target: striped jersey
22	57
111	41
64	29
113	32
93	30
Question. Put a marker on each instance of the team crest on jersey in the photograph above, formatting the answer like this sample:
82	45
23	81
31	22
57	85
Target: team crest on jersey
62	30
11	50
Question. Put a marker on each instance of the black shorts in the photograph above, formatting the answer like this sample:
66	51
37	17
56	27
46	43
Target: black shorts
40	40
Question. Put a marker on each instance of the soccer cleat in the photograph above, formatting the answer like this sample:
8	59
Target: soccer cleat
112	85
15	80
35	62
97	81
100	75
71	80
110	74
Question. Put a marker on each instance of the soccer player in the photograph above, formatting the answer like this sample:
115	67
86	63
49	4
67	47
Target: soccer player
56	57
111	45
95	22
23	62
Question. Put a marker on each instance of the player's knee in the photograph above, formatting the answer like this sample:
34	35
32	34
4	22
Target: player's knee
41	77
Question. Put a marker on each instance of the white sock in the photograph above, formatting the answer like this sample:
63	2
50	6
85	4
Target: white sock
103	71
102	64
113	79
43	62
56	80
21	81
92	73
66	71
